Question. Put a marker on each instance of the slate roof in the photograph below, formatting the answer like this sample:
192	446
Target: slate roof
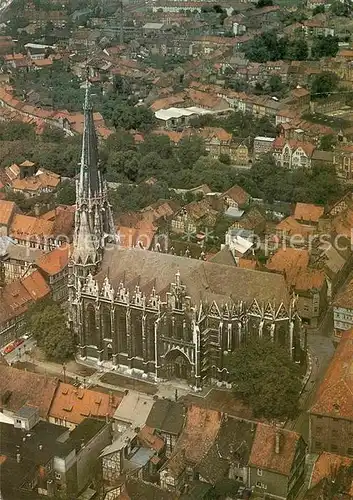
203	280
224	257
136	489
167	416
334	396
233	443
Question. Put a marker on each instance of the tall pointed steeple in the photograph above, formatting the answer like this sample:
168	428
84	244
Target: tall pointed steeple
94	226
90	178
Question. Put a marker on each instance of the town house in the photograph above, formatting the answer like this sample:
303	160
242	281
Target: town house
343	311
277	462
331	415
309	284
293	154
54	267
16	297
167	417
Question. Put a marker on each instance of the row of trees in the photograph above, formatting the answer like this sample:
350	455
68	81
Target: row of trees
269	47
185	166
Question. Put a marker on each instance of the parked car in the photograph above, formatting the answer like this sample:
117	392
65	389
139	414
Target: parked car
12	346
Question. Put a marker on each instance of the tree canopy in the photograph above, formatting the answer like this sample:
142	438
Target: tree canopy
269	47
264	376
323	84
324	46
46	321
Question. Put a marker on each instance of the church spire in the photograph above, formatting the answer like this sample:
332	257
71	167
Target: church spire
90	182
94	226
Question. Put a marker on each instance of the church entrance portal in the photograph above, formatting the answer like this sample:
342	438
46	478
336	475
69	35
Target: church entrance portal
177	365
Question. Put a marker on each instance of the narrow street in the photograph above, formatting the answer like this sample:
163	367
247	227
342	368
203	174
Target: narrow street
321	350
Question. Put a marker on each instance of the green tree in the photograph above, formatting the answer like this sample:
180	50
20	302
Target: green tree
339	8
190	149
16	131
224	158
323	84
160	144
324	46
297	49
319	9
52	134
46	321
120	141
264	3
130	117
264	376
266	47
327	142
66	193
275	84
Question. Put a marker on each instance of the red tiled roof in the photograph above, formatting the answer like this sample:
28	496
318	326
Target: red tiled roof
247	264
294	263
200	431
308	212
150	439
325	467
55	261
237	194
291	227
27	388
25	227
36	286
74	405
263	453
335	393
7	209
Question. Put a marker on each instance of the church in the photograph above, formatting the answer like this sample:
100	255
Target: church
159	316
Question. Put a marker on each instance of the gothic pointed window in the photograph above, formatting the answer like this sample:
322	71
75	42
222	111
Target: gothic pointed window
178	327
106	322
90	325
120	316
137	342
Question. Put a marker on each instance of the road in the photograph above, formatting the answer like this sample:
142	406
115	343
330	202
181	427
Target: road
19	351
321	350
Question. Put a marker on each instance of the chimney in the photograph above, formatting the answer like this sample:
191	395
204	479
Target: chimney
277	442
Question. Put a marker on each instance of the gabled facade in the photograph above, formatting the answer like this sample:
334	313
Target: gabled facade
293	154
